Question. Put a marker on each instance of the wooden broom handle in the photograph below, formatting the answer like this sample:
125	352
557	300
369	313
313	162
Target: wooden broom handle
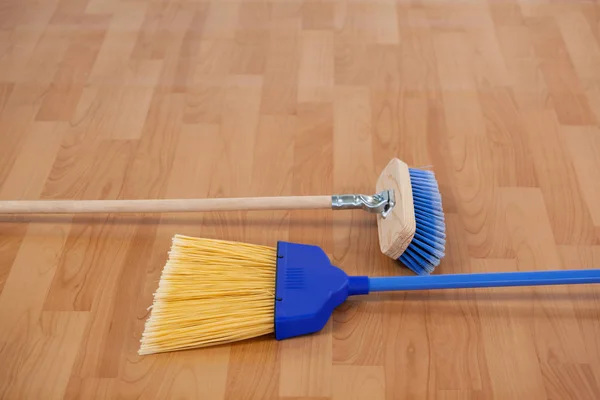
160	205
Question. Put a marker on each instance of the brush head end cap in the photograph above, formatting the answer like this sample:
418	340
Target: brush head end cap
396	231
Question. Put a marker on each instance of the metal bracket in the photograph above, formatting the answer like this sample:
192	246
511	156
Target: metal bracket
380	203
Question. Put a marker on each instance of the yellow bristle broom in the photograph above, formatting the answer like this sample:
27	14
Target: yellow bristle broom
214	292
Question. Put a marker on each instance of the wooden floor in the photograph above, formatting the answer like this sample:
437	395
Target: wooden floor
132	99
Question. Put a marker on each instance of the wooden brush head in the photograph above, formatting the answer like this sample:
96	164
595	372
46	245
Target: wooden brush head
396	231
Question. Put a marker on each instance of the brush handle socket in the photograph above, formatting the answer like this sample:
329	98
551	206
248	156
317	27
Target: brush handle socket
358	285
380	203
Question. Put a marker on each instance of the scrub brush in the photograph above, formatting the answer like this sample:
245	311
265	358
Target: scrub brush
407	204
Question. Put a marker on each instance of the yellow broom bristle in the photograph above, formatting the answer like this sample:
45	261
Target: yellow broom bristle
211	292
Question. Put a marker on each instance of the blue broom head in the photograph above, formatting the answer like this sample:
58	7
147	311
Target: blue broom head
427	248
308	288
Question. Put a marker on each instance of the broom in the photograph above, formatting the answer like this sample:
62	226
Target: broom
214	292
408	205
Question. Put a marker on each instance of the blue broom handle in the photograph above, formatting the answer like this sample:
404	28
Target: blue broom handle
493	279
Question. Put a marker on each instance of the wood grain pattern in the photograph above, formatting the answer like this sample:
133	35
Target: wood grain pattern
115	99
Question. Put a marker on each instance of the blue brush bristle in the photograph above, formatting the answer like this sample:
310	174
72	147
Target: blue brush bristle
428	245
